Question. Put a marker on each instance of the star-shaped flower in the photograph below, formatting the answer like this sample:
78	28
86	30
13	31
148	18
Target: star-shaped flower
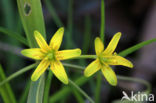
105	58
49	55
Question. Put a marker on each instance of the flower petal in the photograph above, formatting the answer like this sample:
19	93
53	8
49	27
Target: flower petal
40	69
41	41
118	60
34	53
113	44
109	74
99	47
57	39
92	68
67	54
58	70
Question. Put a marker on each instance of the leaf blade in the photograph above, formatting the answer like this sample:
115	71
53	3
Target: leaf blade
5	90
136	47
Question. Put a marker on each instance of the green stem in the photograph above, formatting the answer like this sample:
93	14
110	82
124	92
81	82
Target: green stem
148	90
23	70
51	10
98	88
102	30
47	87
136	47
15	35
73	66
81	91
69	39
87	34
6	92
86	57
25	93
78	96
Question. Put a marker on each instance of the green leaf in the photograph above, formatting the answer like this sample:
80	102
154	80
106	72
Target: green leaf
8	13
78	96
21	71
68	36
36	91
65	91
47	87
5	90
14	35
32	19
102	29
24	95
74	85
136	47
51	10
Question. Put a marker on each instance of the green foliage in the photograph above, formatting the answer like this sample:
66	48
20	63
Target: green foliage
136	47
14	35
51	10
36	91
21	71
47	87
5	90
32	19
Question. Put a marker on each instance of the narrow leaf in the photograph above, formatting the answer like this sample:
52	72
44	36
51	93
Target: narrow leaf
65	91
5	90
47	87
32	19
136	47
14	35
36	91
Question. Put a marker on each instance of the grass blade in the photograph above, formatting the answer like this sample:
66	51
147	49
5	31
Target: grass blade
5	90
53	13
32	19
14	35
24	95
136	47
36	91
65	91
23	70
47	87
102	30
80	90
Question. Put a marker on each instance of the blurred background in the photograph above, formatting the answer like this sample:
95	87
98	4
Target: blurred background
136	19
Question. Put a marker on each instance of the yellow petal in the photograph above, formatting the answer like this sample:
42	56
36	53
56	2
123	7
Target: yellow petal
41	41
58	70
109	74
113	44
40	69
118	60
92	68
57	39
99	47
34	53
67	54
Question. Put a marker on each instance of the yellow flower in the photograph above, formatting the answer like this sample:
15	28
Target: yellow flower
105	58
49	55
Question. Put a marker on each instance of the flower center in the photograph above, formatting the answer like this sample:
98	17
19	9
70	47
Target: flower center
104	60
51	55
